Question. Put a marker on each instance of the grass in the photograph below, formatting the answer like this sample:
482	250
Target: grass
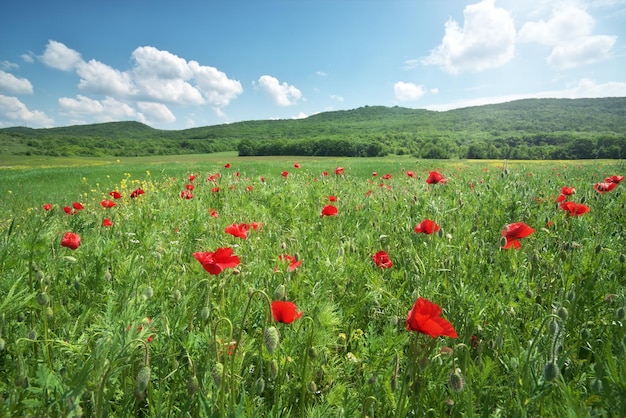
130	323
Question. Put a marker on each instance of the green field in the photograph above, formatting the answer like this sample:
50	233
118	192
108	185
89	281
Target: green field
130	323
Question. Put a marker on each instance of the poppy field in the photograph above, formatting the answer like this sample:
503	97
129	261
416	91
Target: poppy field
315	287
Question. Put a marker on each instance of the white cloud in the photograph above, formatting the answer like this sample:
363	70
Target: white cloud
282	94
337	98
157	112
60	57
321	74
7	65
96	77
434	90
300	115
28	58
584	88
569	31
106	110
486	40
215	85
14	85
13	111
406	92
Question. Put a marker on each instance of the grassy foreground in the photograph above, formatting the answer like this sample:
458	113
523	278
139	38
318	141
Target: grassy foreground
131	323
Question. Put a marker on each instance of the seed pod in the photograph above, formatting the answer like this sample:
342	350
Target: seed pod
273	372
280	293
216	373
42	298
143	379
259	385
192	385
456	381
271	339
204	313
550	371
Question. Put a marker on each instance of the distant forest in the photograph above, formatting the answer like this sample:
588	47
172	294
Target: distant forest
523	129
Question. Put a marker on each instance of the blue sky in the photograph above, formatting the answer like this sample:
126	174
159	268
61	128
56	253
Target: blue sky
176	65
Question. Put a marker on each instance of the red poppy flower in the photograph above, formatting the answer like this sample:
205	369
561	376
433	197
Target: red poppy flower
115	195
575	209
604	187
513	232
332	198
293	263
240	231
227	165
425	317
186	194
435	177
262	179
296	165
410	174
214	213
78	206
189	186
137	192
386	177
218	261
107	203
254	226
192	177
67	210
107	222
249	188
70	240
325	173
614	179
374	174
568	191
213	177
339	171
47	207
285	312
215	190
381	259
427	227
329	210
284	174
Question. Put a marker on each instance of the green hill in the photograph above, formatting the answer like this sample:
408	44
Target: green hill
531	128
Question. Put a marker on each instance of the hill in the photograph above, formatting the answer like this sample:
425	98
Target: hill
531	128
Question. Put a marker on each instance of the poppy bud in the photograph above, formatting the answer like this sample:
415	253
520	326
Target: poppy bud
40	275
538	299
456	381
596	385
192	385
312	387
42	298
32	334
149	292
584	334
143	379
271	339
273	372
312	352
553	327
236	272
550	371
204	313
176	295
107	276
563	313
280	293
621	313
259	385
622	258
529	293
216	373
2	344
571	296
49	312
598	248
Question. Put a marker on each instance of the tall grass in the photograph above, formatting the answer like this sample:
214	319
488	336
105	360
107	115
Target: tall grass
130	323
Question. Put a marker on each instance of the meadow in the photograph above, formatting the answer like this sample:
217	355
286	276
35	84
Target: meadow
215	285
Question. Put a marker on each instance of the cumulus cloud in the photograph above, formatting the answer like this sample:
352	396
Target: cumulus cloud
106	110
59	56
157	112
14	85
281	93
13	111
584	88
407	92
486	40
569	31
156	78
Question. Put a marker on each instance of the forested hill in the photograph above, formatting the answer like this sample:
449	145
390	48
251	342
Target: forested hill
523	129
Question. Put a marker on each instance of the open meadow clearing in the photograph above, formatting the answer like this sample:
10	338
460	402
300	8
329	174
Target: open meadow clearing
224	286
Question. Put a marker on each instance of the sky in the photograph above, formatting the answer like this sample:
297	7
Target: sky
184	64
